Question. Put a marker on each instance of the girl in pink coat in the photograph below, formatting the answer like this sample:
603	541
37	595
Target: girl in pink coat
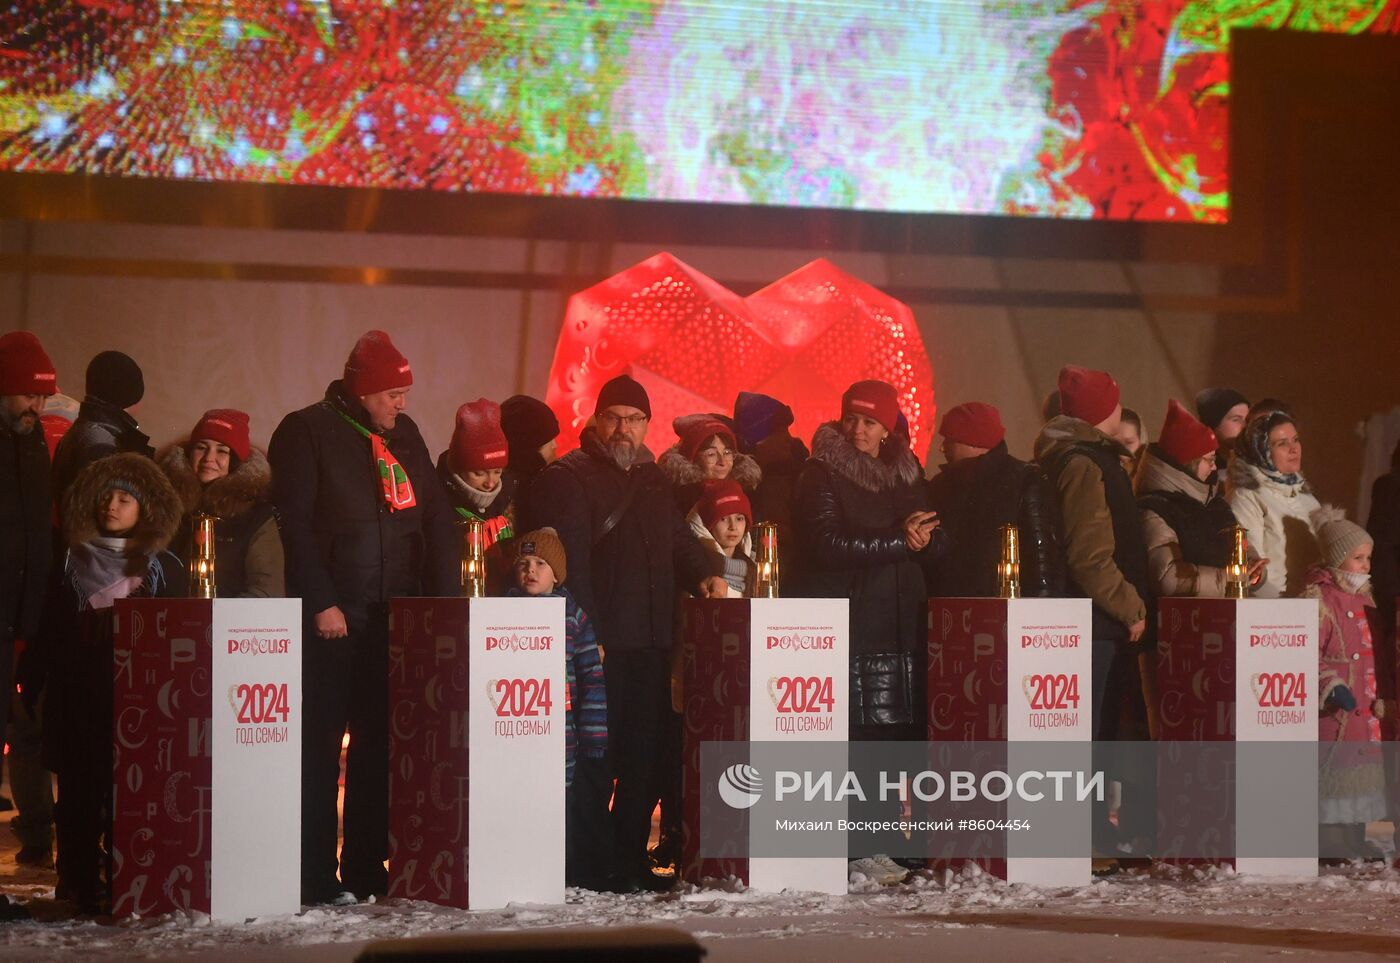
1351	786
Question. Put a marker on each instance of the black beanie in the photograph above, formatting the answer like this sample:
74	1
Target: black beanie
528	423
116	379
1213	404
623	390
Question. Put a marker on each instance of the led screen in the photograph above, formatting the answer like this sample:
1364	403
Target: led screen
1062	109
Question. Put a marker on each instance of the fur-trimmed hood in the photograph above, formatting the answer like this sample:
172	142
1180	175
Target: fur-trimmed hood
896	465
160	505
1248	477
237	492
682	471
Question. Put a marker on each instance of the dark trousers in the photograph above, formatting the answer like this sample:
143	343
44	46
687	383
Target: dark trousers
82	817
639	702
345	686
671	789
7	688
1119	715
588	830
30	783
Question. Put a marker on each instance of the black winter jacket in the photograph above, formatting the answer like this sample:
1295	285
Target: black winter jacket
343	546
849	518
26	534
974	498
1384	526
100	429
626	581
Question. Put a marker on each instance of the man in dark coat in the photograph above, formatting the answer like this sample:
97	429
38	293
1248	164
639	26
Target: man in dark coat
629	553
27	379
363	520
104	426
981	489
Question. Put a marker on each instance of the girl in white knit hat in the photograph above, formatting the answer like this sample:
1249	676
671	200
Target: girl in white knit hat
1351	789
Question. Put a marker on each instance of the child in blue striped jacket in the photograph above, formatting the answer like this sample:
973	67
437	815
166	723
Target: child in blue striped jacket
540	569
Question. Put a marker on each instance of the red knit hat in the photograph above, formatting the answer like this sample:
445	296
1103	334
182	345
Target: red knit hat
702	431
375	365
228	426
478	443
1087	394
720	498
1183	438
25	368
976	423
874	399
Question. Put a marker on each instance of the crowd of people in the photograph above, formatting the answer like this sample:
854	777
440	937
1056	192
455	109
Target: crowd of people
347	509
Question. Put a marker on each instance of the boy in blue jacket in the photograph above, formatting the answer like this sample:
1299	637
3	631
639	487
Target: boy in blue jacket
540	569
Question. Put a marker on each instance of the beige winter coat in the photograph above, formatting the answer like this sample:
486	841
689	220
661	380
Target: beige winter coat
1171	574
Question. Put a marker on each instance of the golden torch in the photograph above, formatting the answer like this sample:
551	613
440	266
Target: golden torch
1237	572
1009	568
202	582
474	558
766	584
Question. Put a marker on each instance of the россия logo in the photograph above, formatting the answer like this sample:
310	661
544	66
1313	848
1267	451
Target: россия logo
740	786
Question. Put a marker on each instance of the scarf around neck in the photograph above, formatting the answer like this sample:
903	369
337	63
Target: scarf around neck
106	569
1357	583
393	480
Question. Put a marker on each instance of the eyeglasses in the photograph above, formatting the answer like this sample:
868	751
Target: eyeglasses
609	420
717	454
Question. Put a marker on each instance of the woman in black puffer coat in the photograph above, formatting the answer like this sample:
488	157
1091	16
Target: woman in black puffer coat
861	523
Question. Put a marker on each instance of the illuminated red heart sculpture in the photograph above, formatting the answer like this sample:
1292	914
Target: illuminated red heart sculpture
694	345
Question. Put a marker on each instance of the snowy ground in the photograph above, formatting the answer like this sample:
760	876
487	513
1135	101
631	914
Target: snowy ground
1164	914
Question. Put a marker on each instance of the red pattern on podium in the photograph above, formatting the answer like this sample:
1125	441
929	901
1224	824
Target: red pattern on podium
162	764
715	674
428	743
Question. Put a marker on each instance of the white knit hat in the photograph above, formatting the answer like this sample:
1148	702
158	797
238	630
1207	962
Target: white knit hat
1337	536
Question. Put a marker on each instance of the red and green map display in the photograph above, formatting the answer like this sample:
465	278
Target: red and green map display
1106	109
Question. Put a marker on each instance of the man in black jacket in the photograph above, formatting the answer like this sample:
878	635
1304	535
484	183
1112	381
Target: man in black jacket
364	520
981	489
27	379
629	551
104	426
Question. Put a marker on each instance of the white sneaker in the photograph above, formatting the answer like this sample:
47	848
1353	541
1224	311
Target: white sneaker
344	898
879	869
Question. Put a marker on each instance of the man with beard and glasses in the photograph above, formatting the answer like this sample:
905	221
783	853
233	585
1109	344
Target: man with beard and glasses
629	552
27	380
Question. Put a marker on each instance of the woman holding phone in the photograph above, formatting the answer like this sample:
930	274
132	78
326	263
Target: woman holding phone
862	524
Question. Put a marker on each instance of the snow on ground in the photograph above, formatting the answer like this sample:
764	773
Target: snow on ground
1352	899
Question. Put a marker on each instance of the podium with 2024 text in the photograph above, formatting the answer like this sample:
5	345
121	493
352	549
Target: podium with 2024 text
1014	671
206	795
1243	672
761	670
477	703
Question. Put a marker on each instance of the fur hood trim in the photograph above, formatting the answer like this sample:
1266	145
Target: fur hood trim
896	465
682	471
1248	477
161	510
228	497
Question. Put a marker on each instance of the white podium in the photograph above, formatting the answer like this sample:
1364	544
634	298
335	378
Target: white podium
477	700
207	768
